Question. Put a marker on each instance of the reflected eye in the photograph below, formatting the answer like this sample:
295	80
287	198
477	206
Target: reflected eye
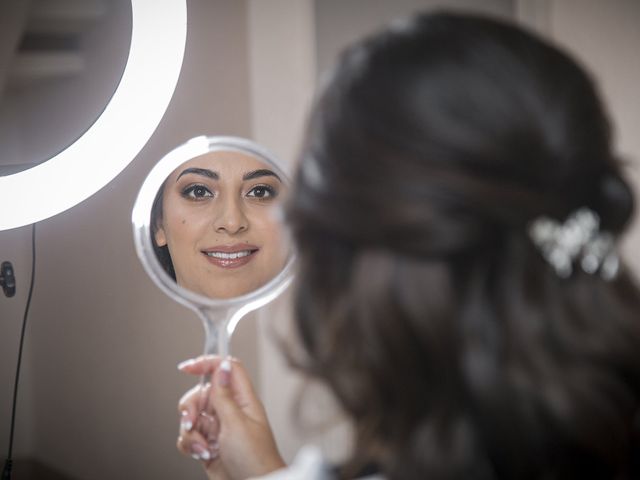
196	192
262	192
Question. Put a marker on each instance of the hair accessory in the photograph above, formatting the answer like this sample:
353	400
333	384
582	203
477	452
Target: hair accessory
578	237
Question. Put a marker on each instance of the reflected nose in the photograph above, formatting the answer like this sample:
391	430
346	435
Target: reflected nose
231	218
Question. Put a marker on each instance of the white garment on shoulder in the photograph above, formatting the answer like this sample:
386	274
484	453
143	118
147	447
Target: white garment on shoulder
308	465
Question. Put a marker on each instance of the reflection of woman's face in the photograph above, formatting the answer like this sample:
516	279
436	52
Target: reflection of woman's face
219	225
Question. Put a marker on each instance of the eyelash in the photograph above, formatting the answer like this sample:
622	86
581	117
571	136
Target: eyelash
271	191
189	192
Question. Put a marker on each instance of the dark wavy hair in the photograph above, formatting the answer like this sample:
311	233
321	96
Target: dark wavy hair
162	252
421	300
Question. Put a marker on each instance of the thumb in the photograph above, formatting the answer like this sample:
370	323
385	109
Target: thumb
232	392
222	392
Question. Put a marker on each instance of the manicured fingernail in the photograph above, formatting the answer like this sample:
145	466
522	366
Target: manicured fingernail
225	373
186	363
226	365
186	424
199	452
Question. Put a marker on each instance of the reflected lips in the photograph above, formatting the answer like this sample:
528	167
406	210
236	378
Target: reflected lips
230	256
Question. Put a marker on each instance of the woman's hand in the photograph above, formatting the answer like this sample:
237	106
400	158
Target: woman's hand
233	437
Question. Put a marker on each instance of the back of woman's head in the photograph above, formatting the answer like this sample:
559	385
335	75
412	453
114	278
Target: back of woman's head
422	300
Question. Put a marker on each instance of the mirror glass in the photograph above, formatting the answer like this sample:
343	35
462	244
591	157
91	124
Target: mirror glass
208	229
216	226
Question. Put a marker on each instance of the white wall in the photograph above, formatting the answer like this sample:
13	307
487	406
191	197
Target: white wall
39	119
340	22
605	36
15	246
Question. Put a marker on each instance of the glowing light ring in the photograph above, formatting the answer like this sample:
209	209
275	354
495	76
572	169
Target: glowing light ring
158	37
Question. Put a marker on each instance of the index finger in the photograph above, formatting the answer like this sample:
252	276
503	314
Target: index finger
201	365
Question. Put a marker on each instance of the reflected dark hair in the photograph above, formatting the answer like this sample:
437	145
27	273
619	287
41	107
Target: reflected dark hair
420	299
162	253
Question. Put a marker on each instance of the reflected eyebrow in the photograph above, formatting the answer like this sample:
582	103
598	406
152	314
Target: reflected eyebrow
199	171
262	172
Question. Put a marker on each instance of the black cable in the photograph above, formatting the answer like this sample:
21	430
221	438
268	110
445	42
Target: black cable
6	472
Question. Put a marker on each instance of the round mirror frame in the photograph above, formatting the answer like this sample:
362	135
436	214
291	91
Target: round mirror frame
141	221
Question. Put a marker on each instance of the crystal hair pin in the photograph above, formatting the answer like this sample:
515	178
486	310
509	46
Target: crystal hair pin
579	237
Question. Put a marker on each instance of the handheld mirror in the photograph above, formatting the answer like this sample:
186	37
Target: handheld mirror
208	230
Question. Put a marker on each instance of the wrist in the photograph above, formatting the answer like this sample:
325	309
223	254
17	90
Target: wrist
277	464
270	464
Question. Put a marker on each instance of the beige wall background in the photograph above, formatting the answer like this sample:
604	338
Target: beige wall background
99	384
38	119
605	36
100	387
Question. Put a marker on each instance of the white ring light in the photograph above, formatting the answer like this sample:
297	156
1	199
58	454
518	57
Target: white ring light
159	30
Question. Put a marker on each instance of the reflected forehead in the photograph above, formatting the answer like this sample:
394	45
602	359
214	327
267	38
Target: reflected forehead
226	164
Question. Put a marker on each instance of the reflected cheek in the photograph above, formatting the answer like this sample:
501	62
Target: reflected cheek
269	232
180	235
274	245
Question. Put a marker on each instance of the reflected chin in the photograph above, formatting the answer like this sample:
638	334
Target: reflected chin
231	291
222	289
